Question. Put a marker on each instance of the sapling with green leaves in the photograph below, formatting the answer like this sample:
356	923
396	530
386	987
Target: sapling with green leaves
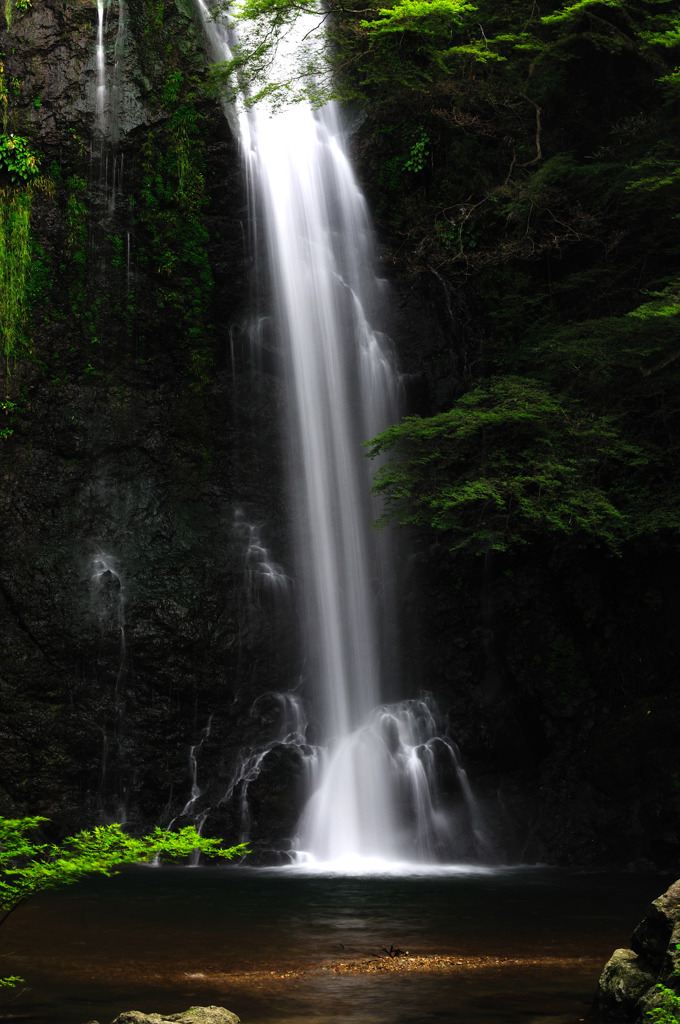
17	161
29	865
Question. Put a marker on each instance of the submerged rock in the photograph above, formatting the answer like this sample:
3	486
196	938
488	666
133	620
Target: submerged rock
194	1015
647	975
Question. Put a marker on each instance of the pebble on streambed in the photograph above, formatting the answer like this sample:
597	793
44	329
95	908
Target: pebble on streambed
432	963
256	977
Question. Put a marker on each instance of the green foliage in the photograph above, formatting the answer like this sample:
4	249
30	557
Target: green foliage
543	141
509	461
155	11
15	259
172	88
29	865
16	159
10	981
668	1012
10	408
21	5
266	65
418	153
426	17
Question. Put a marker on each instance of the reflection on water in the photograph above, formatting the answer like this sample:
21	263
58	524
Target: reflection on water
263	944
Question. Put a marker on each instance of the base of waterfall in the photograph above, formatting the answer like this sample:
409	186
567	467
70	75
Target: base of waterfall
355	864
392	795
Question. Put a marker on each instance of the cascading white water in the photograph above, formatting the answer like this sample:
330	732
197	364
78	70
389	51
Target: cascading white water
341	386
402	743
373	796
108	72
100	55
107	163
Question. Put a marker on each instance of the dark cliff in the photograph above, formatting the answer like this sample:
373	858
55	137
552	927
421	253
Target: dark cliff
141	650
142	455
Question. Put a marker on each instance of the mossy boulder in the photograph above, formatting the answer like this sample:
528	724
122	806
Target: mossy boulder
637	980
194	1015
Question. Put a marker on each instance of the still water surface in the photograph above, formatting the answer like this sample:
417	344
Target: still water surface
257	942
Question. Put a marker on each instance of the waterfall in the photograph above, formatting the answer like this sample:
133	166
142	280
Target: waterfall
340	383
375	794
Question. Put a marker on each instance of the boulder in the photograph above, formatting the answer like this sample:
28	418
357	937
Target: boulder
194	1015
626	978
646	976
653	935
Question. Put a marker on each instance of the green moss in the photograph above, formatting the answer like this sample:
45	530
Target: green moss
15	259
76	241
4	98
172	236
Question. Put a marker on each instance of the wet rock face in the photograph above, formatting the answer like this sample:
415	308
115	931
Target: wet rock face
131	611
48	52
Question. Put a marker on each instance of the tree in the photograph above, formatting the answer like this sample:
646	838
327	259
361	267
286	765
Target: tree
510	461
29	866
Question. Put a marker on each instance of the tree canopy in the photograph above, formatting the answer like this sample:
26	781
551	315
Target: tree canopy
507	462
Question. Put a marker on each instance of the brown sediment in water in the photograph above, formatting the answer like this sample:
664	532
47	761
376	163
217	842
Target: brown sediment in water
408	963
435	963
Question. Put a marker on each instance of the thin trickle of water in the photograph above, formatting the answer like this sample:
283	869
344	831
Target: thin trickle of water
287	731
107	166
128	247
261	573
198	820
107	597
196	792
107	601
